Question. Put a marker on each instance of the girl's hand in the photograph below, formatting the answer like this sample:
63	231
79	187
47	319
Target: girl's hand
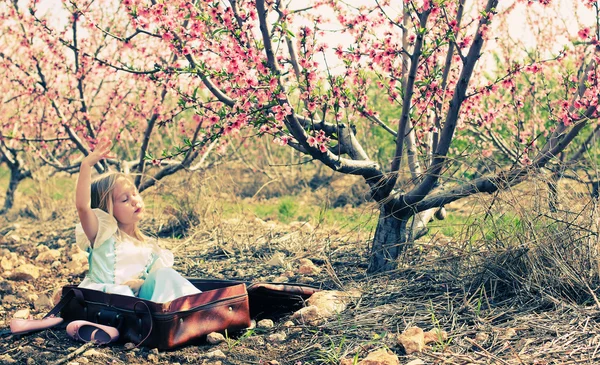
101	151
135	285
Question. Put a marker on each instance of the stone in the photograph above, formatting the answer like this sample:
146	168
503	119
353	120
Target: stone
9	299
481	337
305	280
48	256
153	358
380	357
302	226
307	267
129	346
277	337
309	315
7	359
331	302
30	361
412	339
217	354
281	279
30	297
435	335
92	353
288	324
43	302
277	260
56	264
215	338
76	267
6	287
22	313
27	272
265	323
416	362
6	264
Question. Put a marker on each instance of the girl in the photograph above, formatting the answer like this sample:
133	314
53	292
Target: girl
122	260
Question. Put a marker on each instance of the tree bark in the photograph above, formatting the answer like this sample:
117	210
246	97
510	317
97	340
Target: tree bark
390	239
16	176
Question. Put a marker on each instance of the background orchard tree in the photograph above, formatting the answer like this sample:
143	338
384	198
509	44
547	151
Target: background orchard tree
259	64
64	86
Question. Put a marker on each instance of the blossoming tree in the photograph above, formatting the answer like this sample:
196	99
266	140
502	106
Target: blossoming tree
64	86
262	64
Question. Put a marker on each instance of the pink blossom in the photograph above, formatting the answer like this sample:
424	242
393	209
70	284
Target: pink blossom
584	33
312	141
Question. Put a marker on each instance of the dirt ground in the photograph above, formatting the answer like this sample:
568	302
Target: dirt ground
429	292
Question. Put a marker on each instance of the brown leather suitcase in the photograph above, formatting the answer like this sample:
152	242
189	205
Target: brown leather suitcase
221	305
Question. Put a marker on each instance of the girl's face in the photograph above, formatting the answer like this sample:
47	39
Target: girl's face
128	207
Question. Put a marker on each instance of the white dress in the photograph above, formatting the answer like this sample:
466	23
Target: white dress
117	258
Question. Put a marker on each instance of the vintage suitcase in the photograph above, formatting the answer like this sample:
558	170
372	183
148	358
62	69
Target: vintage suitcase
220	306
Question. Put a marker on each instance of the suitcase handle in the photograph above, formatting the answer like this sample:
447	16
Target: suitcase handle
151	321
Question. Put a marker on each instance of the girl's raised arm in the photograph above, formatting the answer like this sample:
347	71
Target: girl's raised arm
83	192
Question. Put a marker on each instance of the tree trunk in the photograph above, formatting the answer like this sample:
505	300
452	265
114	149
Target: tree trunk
390	239
16	176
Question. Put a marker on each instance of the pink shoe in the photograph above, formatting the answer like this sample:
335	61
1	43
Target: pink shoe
20	326
88	331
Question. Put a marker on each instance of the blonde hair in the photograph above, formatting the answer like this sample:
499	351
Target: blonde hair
102	196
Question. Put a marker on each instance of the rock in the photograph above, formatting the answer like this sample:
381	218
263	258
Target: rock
217	354
305	280
416	362
277	337
277	260
154	351
129	346
9	299
255	341
48	256
265	323
288	324
509	333
93	353
22	313
309	315
347	361
481	337
271	362
43	302
153	358
412	339
14	238
435	335
31	297
30	361
380	357
56	264
281	279
302	226
6	287
215	338
80	257
76	267
7	359
27	272
6	264
307	267
331	302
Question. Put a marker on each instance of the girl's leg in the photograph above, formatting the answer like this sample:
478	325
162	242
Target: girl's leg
164	285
